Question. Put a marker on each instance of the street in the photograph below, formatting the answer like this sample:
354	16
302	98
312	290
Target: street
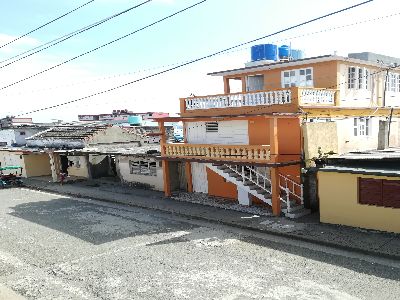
57	247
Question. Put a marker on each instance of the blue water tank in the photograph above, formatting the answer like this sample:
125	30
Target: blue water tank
257	52
297	54
283	51
264	52
271	52
135	120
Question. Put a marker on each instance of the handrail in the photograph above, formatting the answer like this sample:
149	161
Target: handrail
291	187
250	173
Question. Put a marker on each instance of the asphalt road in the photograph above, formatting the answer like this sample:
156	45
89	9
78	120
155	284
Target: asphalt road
55	247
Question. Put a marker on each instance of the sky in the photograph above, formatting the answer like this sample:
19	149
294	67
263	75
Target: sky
207	28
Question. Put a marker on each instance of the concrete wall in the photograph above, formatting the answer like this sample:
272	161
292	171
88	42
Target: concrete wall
37	164
124	172
79	167
111	135
8	158
21	134
321	134
7	136
338	200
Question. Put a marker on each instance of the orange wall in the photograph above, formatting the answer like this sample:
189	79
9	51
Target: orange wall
289	136
325	75
259	132
217	186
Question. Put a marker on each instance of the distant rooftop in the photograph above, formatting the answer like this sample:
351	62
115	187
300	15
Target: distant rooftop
376	58
67	133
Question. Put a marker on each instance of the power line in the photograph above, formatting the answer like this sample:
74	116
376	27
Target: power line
232	51
195	60
106	44
68	36
41	26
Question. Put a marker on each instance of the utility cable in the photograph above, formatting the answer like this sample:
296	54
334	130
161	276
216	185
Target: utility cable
68	36
195	60
106	44
232	51
41	26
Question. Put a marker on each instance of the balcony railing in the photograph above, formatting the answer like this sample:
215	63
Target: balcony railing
294	95
317	96
239	100
245	153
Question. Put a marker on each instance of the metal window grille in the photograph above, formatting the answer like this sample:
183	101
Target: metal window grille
212	127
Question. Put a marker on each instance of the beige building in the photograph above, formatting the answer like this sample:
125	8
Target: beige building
362	190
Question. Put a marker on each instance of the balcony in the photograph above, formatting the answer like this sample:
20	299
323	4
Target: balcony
281	100
239	153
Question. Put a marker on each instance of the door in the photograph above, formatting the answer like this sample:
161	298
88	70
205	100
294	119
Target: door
199	178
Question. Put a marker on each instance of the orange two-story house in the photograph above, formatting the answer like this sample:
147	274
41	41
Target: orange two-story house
250	145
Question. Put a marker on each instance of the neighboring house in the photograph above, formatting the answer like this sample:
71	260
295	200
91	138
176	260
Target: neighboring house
250	145
33	162
362	190
16	135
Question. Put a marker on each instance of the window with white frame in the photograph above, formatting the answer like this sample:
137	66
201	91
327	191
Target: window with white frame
143	167
362	126
298	77
393	82
358	78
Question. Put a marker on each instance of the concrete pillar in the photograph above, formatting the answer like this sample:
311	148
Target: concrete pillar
383	135
244	197
55	166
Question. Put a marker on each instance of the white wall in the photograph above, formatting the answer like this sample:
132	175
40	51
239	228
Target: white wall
124	172
8	136
229	133
8	158
348	142
356	97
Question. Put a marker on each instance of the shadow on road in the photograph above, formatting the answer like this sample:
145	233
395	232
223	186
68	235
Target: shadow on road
94	223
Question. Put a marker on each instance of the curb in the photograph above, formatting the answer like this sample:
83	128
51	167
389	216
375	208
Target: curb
232	224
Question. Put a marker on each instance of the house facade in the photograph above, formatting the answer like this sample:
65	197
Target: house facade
251	145
362	190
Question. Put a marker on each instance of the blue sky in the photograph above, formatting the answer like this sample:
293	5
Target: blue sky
212	26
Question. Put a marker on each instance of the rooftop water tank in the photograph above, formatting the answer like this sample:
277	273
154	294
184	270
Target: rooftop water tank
135	120
297	54
264	52
283	52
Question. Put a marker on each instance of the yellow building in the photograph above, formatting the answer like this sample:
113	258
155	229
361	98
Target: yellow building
362	190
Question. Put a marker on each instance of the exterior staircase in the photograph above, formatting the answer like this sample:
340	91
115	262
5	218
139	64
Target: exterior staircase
257	184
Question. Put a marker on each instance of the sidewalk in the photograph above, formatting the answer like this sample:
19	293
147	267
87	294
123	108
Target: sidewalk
306	228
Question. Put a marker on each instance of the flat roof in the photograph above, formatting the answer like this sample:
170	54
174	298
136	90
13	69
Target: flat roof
362	171
283	64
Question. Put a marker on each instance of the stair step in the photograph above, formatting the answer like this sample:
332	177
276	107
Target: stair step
298	213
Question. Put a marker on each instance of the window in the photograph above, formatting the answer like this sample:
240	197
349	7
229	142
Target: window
358	78
211	126
393	82
143	167
298	77
22	133
362	126
379	192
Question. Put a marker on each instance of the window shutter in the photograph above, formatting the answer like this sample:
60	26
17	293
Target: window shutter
391	193
370	191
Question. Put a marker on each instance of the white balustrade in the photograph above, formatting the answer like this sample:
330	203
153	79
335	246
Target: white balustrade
239	100
315	96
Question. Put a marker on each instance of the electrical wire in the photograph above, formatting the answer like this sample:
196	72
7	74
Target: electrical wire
41	26
68	36
195	60
106	44
232	51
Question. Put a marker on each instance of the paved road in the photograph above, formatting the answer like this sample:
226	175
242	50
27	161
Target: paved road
55	247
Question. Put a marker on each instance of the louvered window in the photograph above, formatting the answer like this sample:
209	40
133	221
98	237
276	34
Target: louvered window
212	127
379	192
